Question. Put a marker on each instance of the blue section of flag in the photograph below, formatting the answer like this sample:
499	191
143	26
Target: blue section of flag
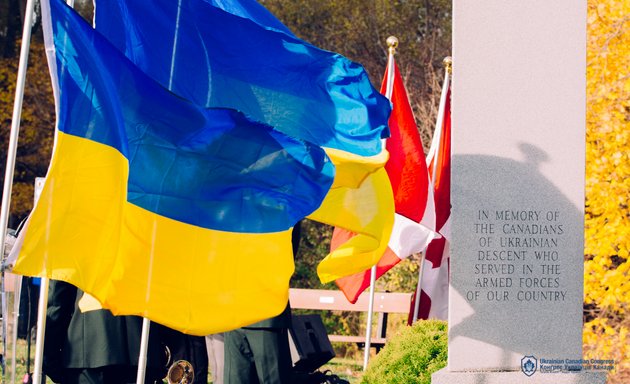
235	54
213	168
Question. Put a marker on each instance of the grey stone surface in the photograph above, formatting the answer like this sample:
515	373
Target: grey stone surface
446	377
518	154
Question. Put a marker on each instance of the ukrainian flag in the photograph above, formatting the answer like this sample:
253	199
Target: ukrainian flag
159	207
236	54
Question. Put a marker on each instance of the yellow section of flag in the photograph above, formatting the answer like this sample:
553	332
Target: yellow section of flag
200	281
361	201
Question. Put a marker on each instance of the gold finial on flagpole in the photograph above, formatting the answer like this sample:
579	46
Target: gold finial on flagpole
448	64
392	43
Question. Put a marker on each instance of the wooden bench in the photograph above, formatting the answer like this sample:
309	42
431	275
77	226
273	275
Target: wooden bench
333	300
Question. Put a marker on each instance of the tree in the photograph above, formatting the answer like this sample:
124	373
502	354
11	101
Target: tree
38	110
607	236
36	127
358	30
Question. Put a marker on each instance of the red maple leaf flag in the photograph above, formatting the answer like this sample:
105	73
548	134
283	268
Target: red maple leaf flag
434	282
414	223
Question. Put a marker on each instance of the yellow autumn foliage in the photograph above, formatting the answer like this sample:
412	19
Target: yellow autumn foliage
607	234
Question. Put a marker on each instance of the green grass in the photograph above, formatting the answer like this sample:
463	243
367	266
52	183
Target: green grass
20	362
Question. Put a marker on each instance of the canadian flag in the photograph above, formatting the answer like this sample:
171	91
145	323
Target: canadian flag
414	223
435	269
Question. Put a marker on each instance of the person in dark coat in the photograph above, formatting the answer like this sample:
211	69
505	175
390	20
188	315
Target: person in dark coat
29	296
259	353
95	346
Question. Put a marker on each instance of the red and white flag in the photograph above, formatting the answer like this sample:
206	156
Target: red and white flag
435	269
414	223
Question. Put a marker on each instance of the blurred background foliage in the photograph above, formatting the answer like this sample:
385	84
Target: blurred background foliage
358	29
607	234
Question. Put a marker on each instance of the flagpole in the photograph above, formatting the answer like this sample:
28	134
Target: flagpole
11	155
142	358
416	304
368	331
435	143
392	44
15	121
38	376
144	340
41	331
433	153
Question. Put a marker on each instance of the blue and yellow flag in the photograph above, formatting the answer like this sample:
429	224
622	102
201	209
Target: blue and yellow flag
159	207
191	137
236	54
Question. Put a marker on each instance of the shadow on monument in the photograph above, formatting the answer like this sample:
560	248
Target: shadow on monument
495	333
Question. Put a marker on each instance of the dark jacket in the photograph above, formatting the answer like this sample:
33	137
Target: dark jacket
93	339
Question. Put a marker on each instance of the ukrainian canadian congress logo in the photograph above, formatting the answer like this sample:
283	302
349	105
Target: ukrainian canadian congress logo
529	365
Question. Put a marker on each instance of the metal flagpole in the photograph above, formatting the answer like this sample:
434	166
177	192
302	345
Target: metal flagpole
416	305
368	331
392	44
15	122
41	328
10	165
144	340
433	152
17	292
435	144
142	359
42	306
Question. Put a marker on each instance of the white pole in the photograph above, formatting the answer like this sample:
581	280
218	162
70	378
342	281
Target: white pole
12	150
5	315
42	307
41	313
15	122
368	330
433	153
17	291
416	305
392	43
41	331
437	133
144	343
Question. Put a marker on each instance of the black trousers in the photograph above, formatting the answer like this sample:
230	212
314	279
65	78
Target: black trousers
257	355
112	374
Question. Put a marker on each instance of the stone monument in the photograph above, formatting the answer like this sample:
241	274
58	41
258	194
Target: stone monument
518	153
